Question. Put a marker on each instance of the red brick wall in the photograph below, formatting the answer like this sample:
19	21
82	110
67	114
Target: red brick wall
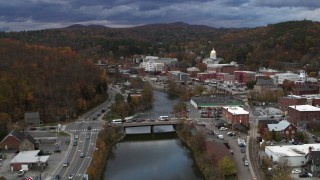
235	119
284	102
11	142
15	167
295	116
316	102
229	69
291	131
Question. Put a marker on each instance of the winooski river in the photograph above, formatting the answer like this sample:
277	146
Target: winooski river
158	156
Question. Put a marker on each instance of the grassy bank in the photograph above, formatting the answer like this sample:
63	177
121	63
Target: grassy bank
107	138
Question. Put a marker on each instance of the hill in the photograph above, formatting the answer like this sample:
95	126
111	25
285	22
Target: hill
53	81
271	46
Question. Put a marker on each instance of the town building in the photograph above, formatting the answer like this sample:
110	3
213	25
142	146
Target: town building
285	129
32	118
223	68
155	64
235	115
303	114
206	76
295	154
243	77
268	72
212	59
178	76
280	77
19	141
264	85
313	163
290	100
27	159
228	79
193	71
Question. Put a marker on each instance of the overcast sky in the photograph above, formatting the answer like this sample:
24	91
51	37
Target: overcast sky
17	15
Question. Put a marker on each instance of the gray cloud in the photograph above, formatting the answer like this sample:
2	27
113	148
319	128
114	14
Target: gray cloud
18	15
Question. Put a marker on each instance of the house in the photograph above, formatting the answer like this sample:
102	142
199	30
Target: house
17	140
32	118
284	128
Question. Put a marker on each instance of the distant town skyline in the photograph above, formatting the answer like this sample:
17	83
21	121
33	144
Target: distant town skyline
17	15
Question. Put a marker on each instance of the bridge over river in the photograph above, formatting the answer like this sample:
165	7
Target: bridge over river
150	123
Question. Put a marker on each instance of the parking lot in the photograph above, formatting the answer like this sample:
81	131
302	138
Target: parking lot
48	146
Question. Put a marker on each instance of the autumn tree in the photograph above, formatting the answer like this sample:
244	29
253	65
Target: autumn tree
5	124
227	167
282	170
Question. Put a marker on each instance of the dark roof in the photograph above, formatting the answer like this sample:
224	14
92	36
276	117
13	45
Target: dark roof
315	156
263	82
222	100
22	136
32	115
240	127
17	134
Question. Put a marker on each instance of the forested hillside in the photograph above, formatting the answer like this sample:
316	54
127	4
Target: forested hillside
270	46
53	81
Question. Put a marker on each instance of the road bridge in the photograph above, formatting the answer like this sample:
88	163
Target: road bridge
150	123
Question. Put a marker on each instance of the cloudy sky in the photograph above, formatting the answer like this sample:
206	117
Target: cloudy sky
17	15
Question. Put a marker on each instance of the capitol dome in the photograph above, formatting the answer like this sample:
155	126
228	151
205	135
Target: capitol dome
213	54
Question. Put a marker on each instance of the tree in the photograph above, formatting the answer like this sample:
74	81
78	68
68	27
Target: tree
282	170
179	107
227	167
4	124
250	84
199	89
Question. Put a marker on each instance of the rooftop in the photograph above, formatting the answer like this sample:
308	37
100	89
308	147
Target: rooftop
236	110
278	127
293	150
29	157
305	108
216	100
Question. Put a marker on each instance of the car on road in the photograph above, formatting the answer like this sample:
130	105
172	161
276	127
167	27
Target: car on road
76	136
89	128
56	177
88	136
75	143
65	164
243	150
231	134
71	176
82	155
21	173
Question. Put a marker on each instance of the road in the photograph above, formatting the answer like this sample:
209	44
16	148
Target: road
86	129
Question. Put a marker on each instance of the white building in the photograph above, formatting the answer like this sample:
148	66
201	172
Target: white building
26	159
280	77
212	59
154	63
295	154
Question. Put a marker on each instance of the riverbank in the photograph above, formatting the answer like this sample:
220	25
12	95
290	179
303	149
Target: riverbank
206	161
106	139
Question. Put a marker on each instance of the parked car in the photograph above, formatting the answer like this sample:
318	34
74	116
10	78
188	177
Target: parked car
243	150
296	171
223	128
57	151
21	173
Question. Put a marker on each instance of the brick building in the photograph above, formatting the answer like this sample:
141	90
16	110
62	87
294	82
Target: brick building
16	140
285	129
235	115
286	101
303	114
206	75
244	76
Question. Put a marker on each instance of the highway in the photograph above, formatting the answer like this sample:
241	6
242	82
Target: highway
85	131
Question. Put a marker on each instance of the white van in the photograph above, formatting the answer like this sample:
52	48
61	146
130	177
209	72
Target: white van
163	118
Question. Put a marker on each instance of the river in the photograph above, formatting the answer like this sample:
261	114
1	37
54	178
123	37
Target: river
143	156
